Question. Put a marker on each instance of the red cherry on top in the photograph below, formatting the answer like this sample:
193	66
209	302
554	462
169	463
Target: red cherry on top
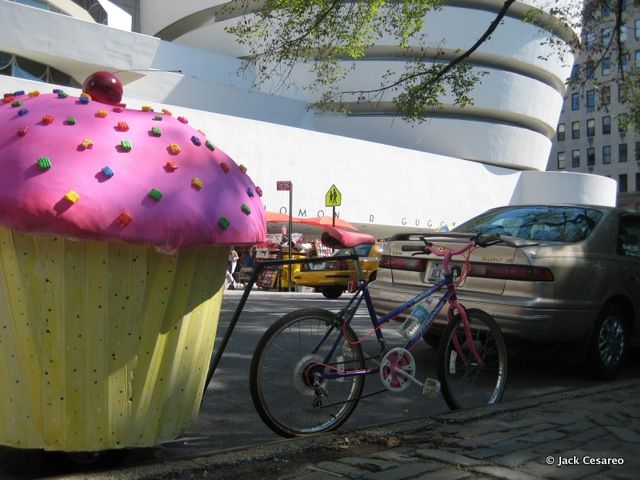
103	87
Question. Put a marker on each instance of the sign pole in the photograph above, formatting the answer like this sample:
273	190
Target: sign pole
333	217
290	231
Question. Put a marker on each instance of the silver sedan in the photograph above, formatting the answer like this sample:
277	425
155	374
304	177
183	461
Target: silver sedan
564	274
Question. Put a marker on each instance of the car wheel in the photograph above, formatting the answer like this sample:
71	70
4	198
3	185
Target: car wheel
332	292
608	344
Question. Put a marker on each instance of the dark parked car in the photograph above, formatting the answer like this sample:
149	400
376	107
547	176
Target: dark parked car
564	274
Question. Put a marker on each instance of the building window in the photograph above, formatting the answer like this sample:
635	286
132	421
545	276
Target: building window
591	127
575	158
637	28
564	105
606	66
606	95
575	101
622	152
591	157
561	160
606	10
624	58
606	124
623	33
637	151
622	92
561	132
20	67
575	130
590	70
637	182
622	183
606	37
637	57
591	100
606	154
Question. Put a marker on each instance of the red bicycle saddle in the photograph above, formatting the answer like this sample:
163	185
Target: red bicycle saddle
335	238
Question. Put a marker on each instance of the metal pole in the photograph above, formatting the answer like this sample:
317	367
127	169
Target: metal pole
290	229
333	218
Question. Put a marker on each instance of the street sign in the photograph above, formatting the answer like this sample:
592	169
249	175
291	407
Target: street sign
333	197
283	185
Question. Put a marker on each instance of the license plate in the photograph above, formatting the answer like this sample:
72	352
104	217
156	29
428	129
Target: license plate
434	272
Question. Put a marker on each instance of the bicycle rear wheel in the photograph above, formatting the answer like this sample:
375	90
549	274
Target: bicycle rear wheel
288	380
464	382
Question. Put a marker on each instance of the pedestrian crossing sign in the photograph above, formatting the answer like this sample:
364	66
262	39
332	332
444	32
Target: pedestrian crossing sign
333	197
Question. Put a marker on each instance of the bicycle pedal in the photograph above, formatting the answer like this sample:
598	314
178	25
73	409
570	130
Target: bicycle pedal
431	387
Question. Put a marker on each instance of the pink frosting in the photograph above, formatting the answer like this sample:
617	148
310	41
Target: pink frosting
207	199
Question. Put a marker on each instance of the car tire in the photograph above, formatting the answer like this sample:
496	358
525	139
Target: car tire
608	344
332	292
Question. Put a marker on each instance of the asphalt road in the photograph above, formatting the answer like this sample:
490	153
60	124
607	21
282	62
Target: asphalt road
228	418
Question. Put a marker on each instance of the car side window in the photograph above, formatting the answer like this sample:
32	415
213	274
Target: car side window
629	237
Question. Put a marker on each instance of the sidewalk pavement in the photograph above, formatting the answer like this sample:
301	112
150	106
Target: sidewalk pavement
587	433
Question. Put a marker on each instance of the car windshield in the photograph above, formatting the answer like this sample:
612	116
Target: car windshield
556	224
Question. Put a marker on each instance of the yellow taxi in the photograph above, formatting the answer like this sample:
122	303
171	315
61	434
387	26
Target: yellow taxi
332	277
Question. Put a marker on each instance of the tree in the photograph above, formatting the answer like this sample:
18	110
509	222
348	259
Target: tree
326	34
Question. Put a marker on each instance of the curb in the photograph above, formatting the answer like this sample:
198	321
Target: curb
328	445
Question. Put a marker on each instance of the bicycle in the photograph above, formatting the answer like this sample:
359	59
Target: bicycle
307	372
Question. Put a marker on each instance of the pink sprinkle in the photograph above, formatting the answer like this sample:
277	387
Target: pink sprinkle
183	120
22	131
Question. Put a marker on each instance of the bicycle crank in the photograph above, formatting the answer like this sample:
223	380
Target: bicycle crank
397	372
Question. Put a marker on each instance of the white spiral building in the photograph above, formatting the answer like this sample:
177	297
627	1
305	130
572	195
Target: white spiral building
391	174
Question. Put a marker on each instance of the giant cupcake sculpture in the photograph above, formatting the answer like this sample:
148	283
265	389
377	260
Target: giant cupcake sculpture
115	226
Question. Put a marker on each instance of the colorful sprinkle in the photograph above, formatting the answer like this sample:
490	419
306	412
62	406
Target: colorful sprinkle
197	183
23	112
155	194
57	90
62	94
170	166
107	172
210	145
8	98
44	163
166	112
22	131
259	191
242	168
17	103
158	118
86	143
47	119
225	167
102	113
118	109
183	120
124	219
70	121
18	93
156	132
72	196
85	98
34	93
196	141
147	108
245	209
250	192
122	126
224	222
174	149
126	145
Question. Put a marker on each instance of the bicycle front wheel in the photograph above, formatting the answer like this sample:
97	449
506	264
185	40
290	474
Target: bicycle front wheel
291	368
465	382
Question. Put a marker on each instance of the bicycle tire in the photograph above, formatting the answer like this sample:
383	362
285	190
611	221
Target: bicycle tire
283	363
468	384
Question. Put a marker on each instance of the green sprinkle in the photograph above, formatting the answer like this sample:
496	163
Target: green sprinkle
71	121
210	145
62	95
17	103
126	145
245	209
155	194
224	222
44	163
155	131
158	118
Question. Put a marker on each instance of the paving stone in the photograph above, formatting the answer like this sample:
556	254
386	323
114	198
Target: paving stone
342	469
398	455
516	459
542	437
404	472
369	464
625	434
447	457
506	473
446	474
586	436
483	453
